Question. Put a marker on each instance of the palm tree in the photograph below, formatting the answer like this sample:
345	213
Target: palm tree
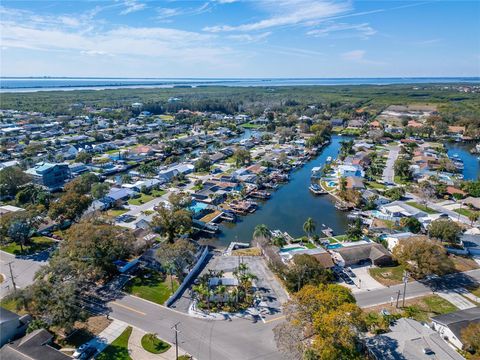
261	230
343	184
473	216
309	226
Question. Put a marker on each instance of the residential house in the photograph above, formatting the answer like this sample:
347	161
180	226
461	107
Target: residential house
337	122
350	170
374	253
450	325
355	183
393	239
408	339
34	346
50	175
11	325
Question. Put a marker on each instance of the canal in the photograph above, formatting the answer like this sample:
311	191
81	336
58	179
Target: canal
290	206
471	170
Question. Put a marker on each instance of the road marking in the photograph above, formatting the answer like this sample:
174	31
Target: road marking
129	308
274	319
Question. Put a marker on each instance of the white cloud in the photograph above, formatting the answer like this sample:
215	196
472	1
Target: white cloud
289	12
165	13
132	6
250	38
363	30
354	55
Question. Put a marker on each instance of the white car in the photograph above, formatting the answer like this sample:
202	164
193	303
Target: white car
80	350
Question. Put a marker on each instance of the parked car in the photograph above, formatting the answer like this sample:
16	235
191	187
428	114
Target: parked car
80	350
349	272
88	353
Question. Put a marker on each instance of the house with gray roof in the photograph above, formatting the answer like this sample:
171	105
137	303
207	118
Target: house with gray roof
449	326
33	346
11	325
410	340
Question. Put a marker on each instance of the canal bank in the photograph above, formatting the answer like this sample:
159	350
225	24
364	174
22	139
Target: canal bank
290	206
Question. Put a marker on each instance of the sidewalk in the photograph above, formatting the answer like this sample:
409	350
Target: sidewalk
106	337
456	299
137	352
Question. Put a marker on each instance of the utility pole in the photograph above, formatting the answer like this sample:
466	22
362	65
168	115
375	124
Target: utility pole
11	276
405	280
175	327
398	297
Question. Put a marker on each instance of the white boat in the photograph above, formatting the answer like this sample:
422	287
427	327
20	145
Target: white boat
329	160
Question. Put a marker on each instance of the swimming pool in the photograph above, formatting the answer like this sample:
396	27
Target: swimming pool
334	246
332	184
196	207
285	250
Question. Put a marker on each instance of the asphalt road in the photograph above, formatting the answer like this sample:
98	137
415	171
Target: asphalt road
388	173
23	268
236	339
415	288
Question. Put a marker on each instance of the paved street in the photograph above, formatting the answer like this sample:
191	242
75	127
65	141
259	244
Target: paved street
441	209
23	268
388	173
204	339
416	289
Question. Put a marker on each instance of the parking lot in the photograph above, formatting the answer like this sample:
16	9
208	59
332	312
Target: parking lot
267	286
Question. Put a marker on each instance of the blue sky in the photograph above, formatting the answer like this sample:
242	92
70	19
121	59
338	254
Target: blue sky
232	38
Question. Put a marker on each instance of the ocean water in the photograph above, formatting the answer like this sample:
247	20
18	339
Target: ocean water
8	84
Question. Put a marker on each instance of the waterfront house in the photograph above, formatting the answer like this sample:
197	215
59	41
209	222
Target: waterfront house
409	339
337	122
355	183
50	175
321	255
450	325
350	170
373	253
356	124
393	239
398	209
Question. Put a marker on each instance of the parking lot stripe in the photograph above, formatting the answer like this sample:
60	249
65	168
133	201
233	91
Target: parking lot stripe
129	308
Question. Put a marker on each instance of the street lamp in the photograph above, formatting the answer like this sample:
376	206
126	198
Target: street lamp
405	280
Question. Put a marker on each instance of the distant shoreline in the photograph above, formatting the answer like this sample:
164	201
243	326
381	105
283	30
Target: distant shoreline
35	84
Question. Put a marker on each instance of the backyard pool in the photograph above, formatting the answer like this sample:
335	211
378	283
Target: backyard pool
197	207
332	184
334	246
289	249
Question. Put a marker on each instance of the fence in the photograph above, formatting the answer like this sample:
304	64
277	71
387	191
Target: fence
187	279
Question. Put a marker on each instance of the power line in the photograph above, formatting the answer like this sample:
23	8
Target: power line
175	327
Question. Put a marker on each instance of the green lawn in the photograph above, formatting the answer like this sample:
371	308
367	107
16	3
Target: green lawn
154	345
387	275
251	126
158	193
37	243
118	349
431	306
142	199
152	286
397	179
309	245
341	237
464	212
375	185
421	207
116	212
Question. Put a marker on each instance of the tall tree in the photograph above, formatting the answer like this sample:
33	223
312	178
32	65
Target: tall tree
20	232
422	256
309	227
172	222
11	178
445	230
261	230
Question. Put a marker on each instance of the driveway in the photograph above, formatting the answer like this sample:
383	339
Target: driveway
363	281
23	268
